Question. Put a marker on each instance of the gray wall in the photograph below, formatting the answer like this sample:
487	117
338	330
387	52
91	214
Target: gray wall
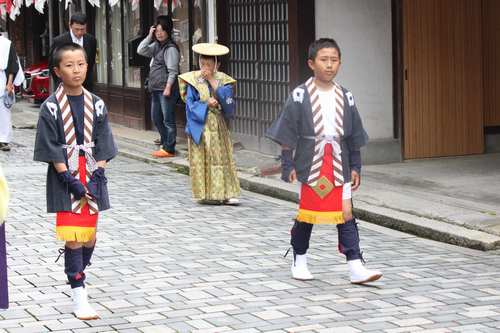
362	28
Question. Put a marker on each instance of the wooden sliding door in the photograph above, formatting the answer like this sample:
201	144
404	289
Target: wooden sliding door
443	78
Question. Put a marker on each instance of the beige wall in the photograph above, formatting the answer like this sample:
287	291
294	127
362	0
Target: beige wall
362	28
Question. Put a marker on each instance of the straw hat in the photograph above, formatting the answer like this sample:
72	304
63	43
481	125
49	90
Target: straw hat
210	49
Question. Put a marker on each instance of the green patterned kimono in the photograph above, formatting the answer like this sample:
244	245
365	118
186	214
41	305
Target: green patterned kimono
211	162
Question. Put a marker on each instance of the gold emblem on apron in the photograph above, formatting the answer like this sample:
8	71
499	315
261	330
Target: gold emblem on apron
323	187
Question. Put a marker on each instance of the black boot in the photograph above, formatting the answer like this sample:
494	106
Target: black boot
87	255
73	267
301	234
349	240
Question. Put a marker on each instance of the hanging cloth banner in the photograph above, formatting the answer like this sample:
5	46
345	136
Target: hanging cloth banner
39	4
95	3
13	7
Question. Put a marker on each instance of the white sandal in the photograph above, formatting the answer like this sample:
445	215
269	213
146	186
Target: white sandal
231	201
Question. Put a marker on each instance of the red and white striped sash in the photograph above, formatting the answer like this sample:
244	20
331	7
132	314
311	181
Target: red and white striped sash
73	150
321	139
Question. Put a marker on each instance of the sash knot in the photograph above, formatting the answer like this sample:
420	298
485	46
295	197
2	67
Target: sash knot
73	160
321	141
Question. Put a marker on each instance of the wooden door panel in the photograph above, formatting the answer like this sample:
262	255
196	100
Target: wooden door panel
442	54
491	56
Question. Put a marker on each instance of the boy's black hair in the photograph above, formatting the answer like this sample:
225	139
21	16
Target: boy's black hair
70	46
322	43
166	24
79	18
206	57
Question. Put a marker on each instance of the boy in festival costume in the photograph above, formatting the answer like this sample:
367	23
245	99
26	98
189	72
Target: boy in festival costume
74	138
321	123
208	94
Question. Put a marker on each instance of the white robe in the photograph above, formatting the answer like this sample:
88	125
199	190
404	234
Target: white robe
5	116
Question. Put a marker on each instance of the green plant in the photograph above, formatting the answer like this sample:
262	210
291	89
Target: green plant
183	170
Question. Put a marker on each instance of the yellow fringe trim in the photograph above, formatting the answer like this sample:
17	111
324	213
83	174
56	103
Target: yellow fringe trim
79	234
312	217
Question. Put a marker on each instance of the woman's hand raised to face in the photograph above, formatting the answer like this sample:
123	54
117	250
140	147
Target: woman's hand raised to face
151	31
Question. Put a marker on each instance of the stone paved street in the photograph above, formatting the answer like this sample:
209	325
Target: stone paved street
166	264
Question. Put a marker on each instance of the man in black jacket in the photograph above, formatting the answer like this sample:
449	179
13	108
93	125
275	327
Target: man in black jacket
76	34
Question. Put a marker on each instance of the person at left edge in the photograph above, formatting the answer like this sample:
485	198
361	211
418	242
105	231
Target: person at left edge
9	75
4	203
76	34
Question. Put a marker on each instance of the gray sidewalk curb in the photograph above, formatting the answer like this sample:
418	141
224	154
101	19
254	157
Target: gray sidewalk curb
427	228
415	225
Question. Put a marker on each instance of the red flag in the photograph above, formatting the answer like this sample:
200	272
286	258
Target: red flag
9	6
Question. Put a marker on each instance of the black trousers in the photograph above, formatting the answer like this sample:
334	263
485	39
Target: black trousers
348	238
75	262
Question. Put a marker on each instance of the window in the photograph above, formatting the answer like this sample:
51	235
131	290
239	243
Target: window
200	26
118	31
132	17
197	29
115	42
180	15
101	36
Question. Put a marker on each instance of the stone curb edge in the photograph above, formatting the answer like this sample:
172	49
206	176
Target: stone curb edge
427	228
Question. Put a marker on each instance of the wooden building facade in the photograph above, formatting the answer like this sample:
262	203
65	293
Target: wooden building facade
425	73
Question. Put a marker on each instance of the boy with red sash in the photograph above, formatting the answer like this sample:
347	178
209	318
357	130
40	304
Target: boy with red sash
74	138
321	123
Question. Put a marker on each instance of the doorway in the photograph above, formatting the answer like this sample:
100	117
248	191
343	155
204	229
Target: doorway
443	78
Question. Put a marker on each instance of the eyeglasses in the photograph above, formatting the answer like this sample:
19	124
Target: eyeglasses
160	31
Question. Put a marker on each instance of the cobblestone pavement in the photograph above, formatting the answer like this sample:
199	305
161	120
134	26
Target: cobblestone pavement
166	264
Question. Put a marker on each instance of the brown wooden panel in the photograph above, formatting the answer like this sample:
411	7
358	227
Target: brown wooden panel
443	112
497	56
115	109
135	107
478	86
489	61
133	122
115	118
491	54
405	121
446	77
429	116
435	73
